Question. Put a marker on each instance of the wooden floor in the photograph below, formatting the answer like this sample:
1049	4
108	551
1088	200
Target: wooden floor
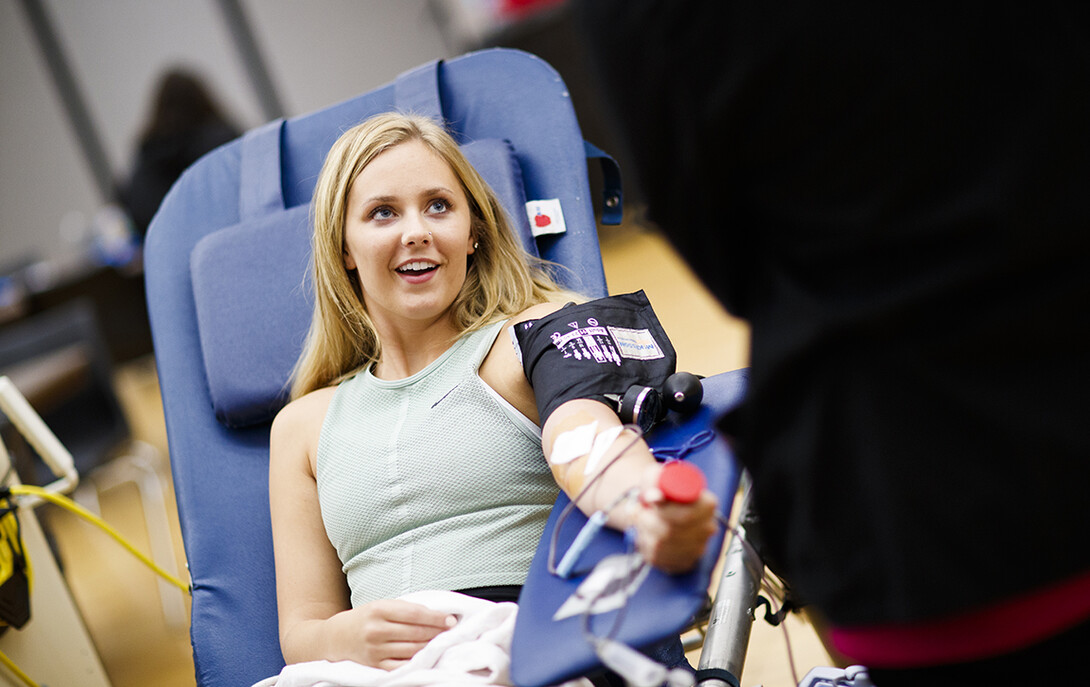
122	602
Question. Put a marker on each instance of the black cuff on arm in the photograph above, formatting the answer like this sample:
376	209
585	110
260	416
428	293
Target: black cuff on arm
594	350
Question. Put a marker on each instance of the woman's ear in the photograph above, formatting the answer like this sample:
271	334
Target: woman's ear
472	247
349	263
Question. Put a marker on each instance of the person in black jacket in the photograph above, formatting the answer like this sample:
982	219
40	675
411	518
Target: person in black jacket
185	123
894	195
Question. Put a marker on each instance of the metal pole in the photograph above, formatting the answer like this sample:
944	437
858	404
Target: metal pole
243	36
731	620
74	104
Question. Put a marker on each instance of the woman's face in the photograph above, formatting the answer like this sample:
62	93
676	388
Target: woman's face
407	234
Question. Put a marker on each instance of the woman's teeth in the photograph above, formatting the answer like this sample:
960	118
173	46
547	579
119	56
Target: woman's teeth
417	267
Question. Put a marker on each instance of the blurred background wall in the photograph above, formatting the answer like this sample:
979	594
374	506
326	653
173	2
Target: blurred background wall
77	82
316	53
260	58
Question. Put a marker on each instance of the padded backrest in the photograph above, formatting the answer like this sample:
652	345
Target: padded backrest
264	259
225	264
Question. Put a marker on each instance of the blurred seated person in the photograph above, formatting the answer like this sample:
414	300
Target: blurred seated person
185	123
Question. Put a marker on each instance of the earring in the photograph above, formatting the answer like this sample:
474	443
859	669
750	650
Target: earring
475	244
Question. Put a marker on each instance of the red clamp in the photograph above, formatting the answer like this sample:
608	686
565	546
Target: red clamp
681	482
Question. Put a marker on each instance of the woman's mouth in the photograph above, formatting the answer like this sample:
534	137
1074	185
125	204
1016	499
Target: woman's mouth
417	270
417	267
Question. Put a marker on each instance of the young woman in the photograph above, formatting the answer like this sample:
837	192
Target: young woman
410	457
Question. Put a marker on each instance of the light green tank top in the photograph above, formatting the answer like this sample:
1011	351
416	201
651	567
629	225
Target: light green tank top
433	481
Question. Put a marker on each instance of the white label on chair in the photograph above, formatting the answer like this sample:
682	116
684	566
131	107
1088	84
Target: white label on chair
545	217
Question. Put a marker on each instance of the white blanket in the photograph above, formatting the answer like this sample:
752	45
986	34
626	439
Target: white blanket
474	652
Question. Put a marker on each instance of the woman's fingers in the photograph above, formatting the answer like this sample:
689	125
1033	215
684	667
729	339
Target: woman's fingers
673	536
393	632
397	654
406	613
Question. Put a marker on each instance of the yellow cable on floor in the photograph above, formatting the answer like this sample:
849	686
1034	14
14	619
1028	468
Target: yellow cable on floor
23	677
70	505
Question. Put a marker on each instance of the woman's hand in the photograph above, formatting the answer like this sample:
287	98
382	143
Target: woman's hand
672	536
386	634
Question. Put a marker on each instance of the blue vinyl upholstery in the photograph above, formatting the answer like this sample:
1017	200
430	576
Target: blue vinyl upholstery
225	263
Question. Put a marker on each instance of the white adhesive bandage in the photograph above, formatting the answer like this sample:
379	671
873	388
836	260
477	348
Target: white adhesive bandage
573	444
602	442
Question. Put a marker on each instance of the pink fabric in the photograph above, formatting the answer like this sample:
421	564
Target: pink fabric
990	631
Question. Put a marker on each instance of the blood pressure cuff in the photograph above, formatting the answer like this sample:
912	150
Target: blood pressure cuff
594	350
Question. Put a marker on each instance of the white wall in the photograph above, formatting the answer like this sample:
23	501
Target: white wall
318	52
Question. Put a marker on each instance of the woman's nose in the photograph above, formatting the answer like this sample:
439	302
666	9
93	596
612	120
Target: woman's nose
415	234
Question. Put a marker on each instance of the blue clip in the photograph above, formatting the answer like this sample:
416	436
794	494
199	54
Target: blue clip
571	556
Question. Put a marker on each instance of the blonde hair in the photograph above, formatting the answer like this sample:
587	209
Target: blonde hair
501	278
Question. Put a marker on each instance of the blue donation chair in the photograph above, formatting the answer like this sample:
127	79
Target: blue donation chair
229	302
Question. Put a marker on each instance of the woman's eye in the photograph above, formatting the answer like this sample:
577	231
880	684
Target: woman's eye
438	206
381	213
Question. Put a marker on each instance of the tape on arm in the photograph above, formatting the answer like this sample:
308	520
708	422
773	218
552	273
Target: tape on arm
584	440
573	444
594	350
577	454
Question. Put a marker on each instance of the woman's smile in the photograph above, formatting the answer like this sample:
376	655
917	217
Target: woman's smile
417	271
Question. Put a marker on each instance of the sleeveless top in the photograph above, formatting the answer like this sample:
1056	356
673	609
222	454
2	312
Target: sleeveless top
433	481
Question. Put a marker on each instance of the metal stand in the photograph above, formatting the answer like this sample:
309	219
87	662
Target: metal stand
731	620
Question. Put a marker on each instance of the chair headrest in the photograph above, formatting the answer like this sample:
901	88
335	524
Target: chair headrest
251	286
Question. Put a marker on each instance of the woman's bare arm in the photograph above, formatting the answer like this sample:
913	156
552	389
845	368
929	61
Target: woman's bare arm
313	602
671	536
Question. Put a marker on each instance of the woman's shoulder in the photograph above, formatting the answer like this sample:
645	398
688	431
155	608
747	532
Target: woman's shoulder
293	439
304	415
502	367
534	312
